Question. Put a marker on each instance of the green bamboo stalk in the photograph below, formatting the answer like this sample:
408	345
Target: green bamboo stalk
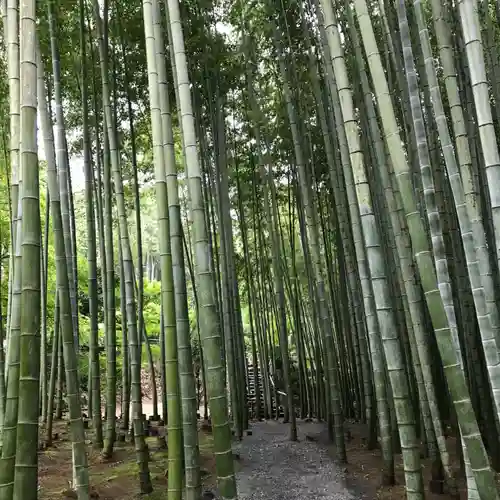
151	14
444	324
469	18
53	371
26	460
186	375
81	474
390	341
140	444
208	314
62	161
95	381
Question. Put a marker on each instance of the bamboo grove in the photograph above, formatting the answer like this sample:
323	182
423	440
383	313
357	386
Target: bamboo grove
276	209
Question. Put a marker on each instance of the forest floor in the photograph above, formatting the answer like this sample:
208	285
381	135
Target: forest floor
114	479
268	467
364	467
267	464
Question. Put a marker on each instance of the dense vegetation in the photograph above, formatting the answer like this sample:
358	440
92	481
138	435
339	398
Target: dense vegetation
276	209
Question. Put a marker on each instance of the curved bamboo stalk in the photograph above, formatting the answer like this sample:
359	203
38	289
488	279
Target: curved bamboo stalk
390	340
444	324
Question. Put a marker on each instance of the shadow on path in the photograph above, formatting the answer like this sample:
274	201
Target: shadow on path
273	468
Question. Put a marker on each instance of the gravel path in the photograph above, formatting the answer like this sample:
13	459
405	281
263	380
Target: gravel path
274	468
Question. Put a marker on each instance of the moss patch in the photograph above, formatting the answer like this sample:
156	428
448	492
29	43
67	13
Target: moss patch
116	478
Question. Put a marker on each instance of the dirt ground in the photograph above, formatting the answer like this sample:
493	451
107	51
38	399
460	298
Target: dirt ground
111	479
363	469
117	478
